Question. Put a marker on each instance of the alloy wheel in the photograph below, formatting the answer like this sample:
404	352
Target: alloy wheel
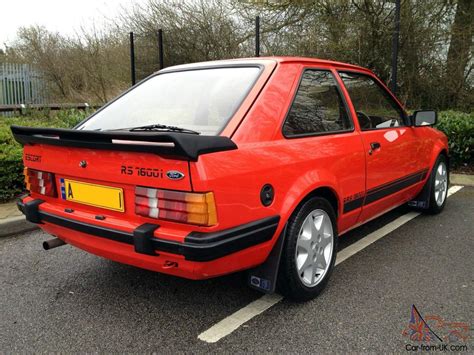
314	248
441	184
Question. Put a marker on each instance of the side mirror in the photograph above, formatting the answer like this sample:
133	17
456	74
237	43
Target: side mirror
425	118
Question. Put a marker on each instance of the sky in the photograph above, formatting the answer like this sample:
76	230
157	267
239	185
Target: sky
64	16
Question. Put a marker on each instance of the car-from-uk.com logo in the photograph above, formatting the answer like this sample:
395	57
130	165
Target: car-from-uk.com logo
432	333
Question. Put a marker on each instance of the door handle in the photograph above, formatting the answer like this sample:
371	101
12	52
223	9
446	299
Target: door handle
374	145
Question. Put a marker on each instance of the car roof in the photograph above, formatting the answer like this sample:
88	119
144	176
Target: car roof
263	61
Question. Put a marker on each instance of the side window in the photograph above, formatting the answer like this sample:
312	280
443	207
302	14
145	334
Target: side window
317	107
374	106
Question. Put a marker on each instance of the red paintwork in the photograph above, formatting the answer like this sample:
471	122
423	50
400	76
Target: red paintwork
295	167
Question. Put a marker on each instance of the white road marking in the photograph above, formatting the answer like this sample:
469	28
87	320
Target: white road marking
243	315
352	249
382	232
454	189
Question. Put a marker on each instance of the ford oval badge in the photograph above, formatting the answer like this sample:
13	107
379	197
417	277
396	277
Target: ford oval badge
175	175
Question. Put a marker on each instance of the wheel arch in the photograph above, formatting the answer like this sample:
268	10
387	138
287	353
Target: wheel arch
444	151
323	191
438	149
327	193
315	182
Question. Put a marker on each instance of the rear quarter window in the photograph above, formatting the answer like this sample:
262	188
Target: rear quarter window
318	107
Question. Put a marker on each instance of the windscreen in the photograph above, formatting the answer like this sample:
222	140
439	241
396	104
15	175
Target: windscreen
201	100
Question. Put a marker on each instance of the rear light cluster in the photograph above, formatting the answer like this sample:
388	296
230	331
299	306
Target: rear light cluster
186	207
40	182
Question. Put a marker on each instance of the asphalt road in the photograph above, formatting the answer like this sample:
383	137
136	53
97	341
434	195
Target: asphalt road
67	300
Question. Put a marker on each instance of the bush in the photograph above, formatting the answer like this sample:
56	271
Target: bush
11	164
459	127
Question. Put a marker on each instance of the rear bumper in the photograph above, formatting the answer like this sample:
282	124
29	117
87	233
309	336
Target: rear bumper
197	246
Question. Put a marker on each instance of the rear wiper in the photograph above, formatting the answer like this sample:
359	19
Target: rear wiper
160	127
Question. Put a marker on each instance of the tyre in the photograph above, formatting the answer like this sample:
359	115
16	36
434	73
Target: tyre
439	185
309	252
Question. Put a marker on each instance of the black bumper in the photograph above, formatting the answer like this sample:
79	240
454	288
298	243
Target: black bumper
197	246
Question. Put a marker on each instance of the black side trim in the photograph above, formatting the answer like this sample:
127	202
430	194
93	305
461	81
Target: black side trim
384	190
393	187
354	204
196	247
184	146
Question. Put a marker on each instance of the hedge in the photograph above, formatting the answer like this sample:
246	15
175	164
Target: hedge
11	165
458	126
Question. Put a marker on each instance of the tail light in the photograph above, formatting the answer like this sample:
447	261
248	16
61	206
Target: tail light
186	207
40	182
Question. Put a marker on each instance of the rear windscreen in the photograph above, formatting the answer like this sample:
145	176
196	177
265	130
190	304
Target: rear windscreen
201	100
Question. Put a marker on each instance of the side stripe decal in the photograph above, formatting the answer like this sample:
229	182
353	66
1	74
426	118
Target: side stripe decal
384	190
354	204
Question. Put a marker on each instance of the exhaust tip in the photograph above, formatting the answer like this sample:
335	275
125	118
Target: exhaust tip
53	243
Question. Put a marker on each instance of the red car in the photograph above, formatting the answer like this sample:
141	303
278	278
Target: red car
206	169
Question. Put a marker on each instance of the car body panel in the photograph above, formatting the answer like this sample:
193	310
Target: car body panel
394	160
339	163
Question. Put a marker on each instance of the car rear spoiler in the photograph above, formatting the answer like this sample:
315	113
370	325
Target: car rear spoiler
175	145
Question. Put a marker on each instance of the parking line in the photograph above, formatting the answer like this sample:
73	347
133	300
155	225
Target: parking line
235	320
382	232
243	315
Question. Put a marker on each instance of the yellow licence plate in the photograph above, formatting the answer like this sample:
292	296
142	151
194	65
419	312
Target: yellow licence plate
101	196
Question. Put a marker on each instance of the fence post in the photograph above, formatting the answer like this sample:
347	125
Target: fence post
160	48
395	40
132	59
257	36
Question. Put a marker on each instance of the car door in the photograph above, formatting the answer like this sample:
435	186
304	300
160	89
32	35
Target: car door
328	149
392	167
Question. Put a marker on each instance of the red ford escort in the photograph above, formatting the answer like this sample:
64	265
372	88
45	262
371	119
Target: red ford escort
205	169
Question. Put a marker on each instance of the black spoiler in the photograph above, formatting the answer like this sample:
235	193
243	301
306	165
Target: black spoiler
169	144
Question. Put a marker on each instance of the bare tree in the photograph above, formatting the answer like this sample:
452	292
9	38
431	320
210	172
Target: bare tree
435	58
460	51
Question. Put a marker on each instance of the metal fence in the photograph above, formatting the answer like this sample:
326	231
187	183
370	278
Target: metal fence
21	84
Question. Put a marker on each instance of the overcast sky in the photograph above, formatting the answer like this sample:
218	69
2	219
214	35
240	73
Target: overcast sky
64	16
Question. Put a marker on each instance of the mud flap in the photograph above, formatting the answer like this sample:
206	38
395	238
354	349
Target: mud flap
422	201
264	277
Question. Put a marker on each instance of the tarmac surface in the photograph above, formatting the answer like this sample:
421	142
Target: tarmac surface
70	301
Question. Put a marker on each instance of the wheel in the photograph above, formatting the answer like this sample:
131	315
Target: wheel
439	185
309	252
